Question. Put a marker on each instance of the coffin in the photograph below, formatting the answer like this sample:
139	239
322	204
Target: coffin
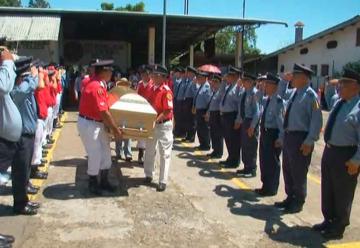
134	115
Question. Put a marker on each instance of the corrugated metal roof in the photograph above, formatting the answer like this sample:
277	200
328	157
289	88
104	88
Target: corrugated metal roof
29	27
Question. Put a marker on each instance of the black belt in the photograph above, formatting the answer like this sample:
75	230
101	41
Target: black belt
227	113
269	129
89	119
296	132
28	135
340	147
163	121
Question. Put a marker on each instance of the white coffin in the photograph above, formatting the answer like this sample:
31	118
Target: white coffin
134	115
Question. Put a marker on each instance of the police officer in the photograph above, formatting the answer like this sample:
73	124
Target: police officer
302	125
213	117
272	132
179	100
162	101
248	117
189	114
230	94
341	158
201	102
94	115
178	81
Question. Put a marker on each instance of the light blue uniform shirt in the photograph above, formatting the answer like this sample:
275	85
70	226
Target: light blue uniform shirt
10	119
177	83
181	90
203	96
346	129
252	107
275	114
191	89
215	101
305	114
231	102
330	91
23	96
283	90
333	100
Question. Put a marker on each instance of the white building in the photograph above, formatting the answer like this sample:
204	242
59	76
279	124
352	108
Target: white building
325	53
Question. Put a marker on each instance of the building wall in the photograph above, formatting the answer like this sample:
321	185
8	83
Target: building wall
318	53
46	51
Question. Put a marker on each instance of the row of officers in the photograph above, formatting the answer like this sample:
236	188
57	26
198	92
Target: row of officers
238	107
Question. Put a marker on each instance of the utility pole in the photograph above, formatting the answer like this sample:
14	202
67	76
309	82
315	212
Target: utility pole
186	7
163	60
243	36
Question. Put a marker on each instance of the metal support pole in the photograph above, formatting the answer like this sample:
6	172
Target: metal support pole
163	61
243	37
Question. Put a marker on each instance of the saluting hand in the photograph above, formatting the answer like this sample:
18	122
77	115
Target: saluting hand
6	55
306	149
352	168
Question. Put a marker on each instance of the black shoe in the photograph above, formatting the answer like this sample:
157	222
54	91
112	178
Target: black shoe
31	190
39	165
33	186
27	210
44	161
161	187
94	186
6	239
284	203
45	153
247	172
148	180
50	141
47	146
39	175
294	207
105	184
264	192
216	156
128	159
321	226
34	205
333	233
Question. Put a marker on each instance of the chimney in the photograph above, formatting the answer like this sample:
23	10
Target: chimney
299	28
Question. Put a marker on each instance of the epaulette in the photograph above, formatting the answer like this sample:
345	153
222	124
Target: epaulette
166	87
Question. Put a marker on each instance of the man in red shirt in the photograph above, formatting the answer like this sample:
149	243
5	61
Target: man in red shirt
145	90
94	115
162	101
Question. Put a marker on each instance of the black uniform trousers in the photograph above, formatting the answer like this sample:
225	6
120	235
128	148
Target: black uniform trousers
337	186
189	119
269	159
249	145
295	165
179	118
232	137
202	128
19	155
216	133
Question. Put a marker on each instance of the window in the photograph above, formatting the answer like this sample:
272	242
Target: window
358	37
324	70
304	51
314	68
282	68
332	44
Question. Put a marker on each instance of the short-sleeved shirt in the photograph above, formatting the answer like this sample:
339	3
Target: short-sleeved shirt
84	82
162	100
94	100
40	96
145	90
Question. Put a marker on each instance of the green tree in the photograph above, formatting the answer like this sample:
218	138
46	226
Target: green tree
225	41
10	3
353	65
138	7
39	4
107	6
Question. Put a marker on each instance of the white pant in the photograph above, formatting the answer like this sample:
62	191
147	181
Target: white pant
38	143
57	106
141	144
163	139
97	145
49	124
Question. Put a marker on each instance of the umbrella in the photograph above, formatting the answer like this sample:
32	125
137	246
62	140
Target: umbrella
210	69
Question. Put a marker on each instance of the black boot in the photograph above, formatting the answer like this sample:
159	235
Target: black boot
141	156
94	186
105	184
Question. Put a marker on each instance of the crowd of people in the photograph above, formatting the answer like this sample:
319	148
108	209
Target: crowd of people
263	115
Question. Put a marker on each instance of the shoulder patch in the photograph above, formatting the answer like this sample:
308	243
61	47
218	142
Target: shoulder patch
169	96
100	92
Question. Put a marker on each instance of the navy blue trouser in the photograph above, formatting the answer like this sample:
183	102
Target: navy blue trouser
295	165
189	119
217	140
232	137
202	128
269	159
249	146
337	186
179	118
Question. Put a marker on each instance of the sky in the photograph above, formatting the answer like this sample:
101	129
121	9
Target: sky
317	15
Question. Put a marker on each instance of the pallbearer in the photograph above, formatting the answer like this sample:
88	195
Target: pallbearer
162	100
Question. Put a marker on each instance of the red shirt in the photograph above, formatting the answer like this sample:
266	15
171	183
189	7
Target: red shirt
50	102
59	86
162	99
145	91
40	96
84	82
170	83
94	99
